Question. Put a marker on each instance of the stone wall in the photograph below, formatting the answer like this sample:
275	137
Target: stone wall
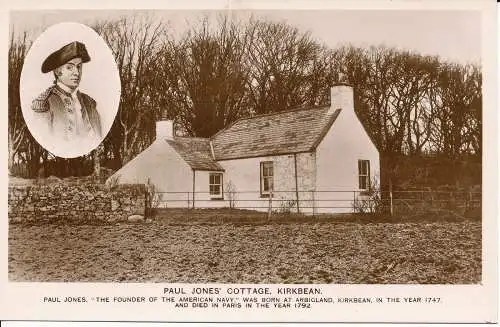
286	185
244	176
306	175
74	202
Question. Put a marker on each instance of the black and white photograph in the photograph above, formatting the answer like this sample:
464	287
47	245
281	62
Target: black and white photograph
303	149
64	118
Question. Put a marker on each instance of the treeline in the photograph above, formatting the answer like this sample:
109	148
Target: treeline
216	72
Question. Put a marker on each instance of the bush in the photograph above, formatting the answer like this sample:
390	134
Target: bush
285	206
230	191
369	201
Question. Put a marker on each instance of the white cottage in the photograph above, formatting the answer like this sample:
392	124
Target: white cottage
314	160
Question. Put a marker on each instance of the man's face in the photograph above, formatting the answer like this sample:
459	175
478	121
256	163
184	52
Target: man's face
70	73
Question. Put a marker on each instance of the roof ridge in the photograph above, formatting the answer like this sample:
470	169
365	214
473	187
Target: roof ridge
284	112
268	114
191	137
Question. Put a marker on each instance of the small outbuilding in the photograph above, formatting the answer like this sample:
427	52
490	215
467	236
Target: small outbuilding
311	160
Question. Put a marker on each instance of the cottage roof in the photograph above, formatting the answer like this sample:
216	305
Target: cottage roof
196	152
286	132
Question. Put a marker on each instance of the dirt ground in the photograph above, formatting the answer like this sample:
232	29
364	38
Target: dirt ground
319	252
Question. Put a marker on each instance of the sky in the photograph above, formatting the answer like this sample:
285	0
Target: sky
454	35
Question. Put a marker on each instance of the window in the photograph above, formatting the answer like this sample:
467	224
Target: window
364	174
266	177
215	185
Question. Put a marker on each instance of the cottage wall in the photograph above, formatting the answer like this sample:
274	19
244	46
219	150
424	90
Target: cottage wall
164	168
203	199
337	163
306	174
244	176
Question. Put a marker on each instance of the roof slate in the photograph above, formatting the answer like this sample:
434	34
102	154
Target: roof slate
196	152
273	134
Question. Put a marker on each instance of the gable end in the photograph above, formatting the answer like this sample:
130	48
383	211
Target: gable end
327	127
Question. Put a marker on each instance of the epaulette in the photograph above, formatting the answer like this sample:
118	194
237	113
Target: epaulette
40	104
88	99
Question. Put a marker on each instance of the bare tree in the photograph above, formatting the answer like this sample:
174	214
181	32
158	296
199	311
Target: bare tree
17	130
459	119
135	43
286	67
202	76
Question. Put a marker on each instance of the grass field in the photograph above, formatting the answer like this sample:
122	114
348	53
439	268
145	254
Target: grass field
318	251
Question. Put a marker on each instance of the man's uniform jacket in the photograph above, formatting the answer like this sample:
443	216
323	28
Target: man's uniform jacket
56	109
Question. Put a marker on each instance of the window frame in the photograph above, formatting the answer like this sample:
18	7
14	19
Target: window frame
220	195
364	163
264	193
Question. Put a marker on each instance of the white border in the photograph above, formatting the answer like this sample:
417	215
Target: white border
464	303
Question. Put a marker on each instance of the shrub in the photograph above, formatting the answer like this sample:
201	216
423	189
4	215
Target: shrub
285	206
369	201
230	191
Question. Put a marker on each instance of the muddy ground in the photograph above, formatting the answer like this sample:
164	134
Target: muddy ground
296	252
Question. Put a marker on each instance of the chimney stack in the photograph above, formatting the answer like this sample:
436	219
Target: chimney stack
164	130
341	97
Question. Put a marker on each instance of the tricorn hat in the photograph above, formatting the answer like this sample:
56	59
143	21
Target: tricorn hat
66	53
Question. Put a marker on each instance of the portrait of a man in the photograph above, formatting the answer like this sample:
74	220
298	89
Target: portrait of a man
64	111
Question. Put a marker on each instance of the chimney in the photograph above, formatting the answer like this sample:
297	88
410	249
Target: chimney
164	130
341	97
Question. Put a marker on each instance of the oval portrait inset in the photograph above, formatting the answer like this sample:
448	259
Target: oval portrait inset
69	89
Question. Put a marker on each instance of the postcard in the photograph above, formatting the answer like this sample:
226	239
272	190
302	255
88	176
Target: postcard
240	161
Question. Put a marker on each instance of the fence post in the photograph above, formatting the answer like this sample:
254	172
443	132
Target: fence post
298	207
390	197
313	203
270	210
146	209
355	205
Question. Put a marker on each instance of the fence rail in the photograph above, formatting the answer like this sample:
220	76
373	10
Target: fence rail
324	201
